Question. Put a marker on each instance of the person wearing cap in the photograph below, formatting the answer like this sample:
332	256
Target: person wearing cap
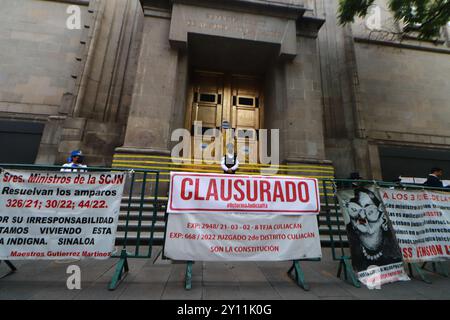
75	162
230	163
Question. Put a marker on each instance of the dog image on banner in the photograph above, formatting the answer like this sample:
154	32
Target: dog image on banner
371	237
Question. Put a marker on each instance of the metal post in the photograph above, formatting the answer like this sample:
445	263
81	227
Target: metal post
166	219
130	198
348	272
327	212
299	277
141	209
341	263
338	222
155	214
188	277
121	271
11	267
414	267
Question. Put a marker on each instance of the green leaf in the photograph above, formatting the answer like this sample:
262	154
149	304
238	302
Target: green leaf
424	17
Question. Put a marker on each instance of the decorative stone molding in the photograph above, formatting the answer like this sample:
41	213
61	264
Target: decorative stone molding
237	25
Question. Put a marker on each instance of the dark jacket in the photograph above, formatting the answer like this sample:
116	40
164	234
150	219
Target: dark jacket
433	182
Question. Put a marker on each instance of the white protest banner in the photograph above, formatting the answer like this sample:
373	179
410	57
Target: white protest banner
197	193
376	255
55	215
421	220
216	217
241	237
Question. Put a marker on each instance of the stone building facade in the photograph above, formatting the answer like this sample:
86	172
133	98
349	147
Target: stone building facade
358	98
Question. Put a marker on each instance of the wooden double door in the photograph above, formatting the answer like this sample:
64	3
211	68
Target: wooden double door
226	101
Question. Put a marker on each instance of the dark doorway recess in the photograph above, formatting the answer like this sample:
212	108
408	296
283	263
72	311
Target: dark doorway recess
19	141
412	162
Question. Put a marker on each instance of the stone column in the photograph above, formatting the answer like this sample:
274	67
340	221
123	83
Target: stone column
154	95
304	113
275	107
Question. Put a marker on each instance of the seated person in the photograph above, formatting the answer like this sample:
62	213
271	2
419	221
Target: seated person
230	163
75	162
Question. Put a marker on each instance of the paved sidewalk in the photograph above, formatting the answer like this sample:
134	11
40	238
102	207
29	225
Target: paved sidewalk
211	281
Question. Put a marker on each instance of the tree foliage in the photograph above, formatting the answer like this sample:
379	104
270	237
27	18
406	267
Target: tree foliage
425	17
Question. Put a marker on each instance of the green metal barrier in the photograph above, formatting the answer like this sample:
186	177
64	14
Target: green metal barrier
340	246
337	232
142	203
298	276
140	239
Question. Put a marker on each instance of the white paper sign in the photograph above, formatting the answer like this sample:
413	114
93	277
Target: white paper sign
376	276
241	237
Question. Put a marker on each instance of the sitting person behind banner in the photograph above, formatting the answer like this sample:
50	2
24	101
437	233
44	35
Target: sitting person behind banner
349	182
230	163
75	162
372	240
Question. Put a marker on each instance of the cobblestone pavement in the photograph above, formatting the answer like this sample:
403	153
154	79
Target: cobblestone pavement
211	281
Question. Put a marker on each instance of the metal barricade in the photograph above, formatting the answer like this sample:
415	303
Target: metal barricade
338	241
141	220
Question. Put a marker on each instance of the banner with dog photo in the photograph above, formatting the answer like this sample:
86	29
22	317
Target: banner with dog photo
376	255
